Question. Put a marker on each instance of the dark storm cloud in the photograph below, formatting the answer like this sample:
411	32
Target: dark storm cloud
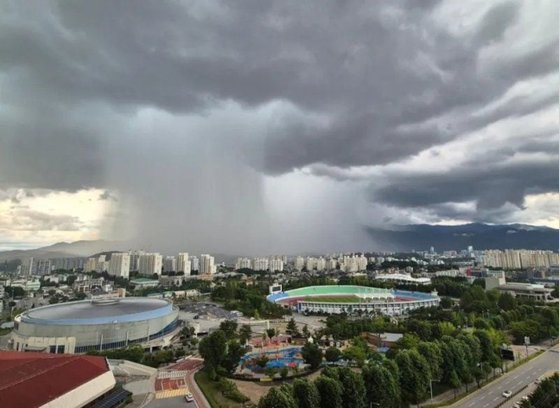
491	184
359	84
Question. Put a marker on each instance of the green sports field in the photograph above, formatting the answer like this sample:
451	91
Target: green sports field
332	299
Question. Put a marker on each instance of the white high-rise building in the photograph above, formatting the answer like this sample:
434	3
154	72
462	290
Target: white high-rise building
310	263
275	264
184	264
119	265
331	264
207	265
90	265
243	263
320	264
299	263
194	263
361	263
27	266
260	264
42	267
150	264
349	264
102	264
135	260
170	264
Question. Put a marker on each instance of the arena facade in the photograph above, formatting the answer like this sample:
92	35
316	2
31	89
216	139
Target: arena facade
77	327
337	299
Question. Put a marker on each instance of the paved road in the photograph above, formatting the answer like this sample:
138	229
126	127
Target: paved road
201	401
174	402
491	395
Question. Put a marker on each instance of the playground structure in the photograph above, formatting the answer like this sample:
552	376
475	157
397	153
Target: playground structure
256	363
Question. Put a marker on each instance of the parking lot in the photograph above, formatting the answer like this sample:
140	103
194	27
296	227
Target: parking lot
206	310
207	316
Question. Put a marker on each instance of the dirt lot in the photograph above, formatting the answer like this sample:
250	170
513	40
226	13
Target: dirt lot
255	390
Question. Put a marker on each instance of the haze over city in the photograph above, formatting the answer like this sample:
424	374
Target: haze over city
274	127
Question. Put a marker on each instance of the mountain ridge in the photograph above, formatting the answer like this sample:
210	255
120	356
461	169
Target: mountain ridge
455	237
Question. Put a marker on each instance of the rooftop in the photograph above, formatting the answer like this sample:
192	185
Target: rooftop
34	379
98	311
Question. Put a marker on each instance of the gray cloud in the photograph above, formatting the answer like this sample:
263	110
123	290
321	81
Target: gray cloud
27	220
186	110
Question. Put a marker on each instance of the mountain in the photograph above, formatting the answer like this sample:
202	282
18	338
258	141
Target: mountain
65	249
456	237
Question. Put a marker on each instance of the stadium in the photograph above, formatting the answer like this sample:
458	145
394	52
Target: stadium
336	299
77	327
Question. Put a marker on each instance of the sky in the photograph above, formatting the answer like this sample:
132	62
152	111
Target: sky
274	127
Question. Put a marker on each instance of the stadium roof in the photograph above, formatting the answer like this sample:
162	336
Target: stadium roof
34	379
98	312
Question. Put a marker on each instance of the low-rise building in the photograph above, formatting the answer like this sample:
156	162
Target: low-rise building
533	291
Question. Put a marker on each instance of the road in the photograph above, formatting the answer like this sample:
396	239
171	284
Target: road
490	396
201	401
174	402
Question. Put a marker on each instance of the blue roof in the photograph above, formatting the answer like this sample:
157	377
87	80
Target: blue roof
98	312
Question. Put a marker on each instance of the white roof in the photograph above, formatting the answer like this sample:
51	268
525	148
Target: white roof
402	277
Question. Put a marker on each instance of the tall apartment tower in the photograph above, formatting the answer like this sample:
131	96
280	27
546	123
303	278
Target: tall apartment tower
150	264
170	264
207	265
183	263
194	263
27	266
119	265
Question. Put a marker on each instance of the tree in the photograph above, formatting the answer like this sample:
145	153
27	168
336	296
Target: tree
270	333
284	372
506	301
353	388
312	355
306	333
356	354
245	333
234	353
382	386
432	353
414	374
292	328
306	394
271	371
330	392
229	328
332	354
212	348
277	398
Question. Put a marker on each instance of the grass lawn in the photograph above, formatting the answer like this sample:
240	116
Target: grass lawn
332	299
212	392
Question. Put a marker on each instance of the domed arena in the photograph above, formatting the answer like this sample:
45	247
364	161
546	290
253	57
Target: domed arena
78	327
337	299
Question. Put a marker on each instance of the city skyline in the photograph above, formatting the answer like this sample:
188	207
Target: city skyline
221	127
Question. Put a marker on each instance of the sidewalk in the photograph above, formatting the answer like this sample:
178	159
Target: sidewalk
199	396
